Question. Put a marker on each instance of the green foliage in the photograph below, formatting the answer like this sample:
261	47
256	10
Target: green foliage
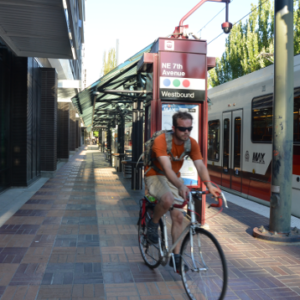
297	27
109	61
95	133
250	46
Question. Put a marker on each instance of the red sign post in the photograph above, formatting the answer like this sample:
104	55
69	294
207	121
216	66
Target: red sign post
179	76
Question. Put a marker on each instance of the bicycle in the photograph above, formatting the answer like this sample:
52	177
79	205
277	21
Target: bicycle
206	277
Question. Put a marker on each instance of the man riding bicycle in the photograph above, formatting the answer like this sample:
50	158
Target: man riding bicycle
164	181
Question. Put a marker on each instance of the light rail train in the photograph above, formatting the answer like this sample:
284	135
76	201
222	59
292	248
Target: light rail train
240	136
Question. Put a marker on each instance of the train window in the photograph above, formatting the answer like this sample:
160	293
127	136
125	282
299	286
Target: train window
237	146
213	140
262	116
297	117
226	146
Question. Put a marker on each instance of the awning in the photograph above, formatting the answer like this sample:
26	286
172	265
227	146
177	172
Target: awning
112	94
39	28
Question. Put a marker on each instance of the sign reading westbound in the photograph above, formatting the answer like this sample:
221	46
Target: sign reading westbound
180	79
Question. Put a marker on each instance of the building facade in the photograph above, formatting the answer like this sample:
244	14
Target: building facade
40	71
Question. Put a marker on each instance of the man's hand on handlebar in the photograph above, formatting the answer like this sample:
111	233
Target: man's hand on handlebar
183	191
213	190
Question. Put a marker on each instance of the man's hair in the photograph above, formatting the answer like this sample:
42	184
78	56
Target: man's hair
181	115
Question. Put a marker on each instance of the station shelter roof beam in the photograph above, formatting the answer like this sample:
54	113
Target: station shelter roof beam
113	94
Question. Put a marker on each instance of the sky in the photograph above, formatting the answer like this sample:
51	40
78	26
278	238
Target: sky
138	23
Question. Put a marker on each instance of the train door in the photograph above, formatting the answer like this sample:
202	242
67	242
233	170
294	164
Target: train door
232	150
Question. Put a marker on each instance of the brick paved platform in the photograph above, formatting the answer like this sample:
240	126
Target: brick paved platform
76	238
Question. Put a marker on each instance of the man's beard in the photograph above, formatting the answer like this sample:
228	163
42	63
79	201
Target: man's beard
183	139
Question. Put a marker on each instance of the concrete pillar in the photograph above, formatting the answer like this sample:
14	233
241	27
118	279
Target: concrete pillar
77	134
63	131
48	137
72	136
282	162
25	121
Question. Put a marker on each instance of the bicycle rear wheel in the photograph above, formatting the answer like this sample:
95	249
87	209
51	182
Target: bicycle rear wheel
207	274
150	252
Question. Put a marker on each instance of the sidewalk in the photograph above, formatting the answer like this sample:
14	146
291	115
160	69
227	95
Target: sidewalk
76	238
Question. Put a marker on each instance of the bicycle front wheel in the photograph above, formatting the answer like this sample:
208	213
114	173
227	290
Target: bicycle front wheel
150	252
206	277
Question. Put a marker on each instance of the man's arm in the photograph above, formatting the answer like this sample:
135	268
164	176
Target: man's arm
203	173
171	175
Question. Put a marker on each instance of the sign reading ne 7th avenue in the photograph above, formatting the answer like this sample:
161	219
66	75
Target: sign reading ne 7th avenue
180	76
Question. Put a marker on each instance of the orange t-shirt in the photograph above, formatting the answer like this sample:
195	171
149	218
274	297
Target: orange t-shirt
159	148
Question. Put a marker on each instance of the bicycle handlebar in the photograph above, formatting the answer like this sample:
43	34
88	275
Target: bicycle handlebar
221	198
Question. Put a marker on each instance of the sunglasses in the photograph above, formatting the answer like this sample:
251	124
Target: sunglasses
183	129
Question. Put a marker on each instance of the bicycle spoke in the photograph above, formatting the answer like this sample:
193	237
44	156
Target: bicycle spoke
192	266
209	279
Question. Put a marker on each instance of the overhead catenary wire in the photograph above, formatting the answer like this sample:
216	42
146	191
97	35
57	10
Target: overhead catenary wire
211	19
238	21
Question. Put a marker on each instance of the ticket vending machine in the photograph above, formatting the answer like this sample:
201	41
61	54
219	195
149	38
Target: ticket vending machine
175	76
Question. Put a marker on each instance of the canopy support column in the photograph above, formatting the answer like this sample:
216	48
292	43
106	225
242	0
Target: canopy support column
100	139
121	129
137	143
109	142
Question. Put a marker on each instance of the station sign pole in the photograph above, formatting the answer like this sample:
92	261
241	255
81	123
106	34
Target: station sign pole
179	68
179	82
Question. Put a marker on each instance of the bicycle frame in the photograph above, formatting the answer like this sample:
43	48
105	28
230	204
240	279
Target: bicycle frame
189	228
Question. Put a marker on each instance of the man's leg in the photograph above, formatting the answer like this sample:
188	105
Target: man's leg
163	206
158	187
160	209
176	230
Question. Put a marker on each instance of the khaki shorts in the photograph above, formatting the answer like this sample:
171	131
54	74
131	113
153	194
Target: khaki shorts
159	185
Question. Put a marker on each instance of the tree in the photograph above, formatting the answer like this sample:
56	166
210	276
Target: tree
250	46
297	27
109	61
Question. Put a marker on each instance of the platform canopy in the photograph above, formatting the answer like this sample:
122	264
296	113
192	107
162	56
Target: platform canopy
113	94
